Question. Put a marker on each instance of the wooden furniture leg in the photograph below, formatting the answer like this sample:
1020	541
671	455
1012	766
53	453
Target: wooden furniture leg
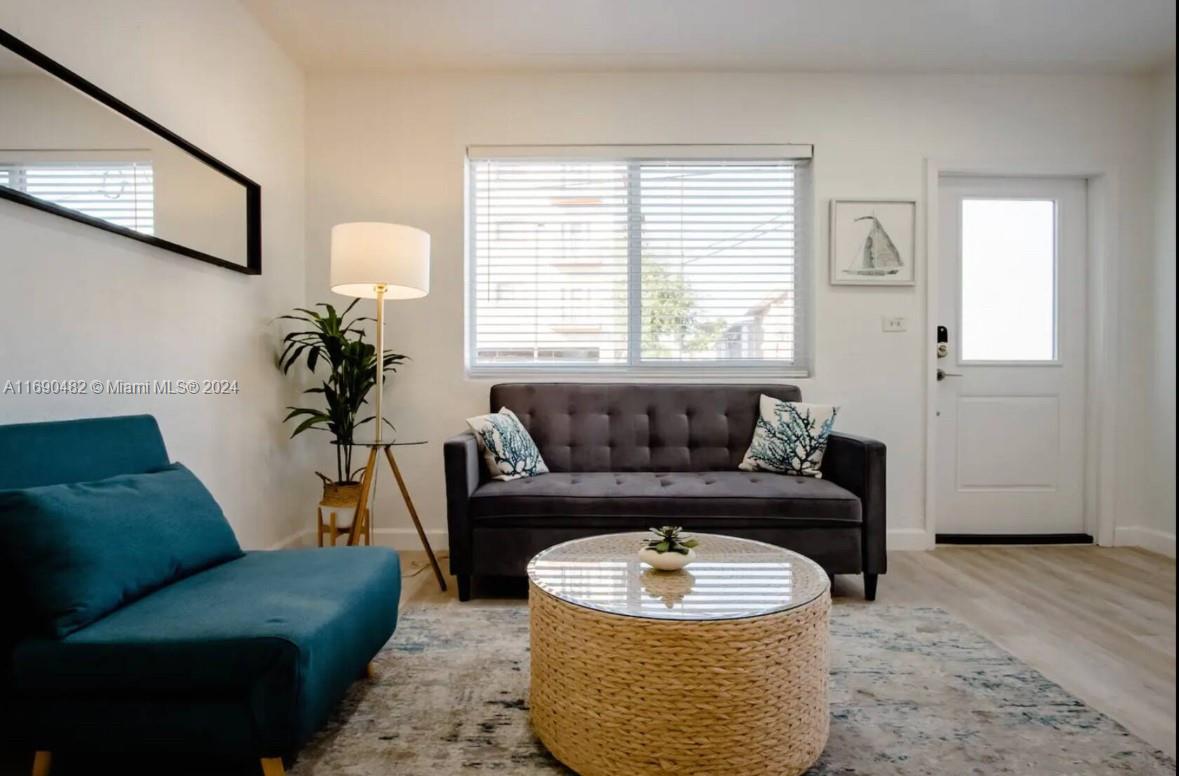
413	513
370	671
360	520
331	528
41	762
272	766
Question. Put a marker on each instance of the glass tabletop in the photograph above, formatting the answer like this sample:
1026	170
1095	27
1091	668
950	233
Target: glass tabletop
390	443
730	578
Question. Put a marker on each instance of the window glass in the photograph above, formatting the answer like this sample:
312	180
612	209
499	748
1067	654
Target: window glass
1008	280
634	263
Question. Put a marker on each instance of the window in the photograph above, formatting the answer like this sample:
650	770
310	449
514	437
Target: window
120	193
1008	280
637	259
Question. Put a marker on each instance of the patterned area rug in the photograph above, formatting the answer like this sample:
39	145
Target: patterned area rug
913	691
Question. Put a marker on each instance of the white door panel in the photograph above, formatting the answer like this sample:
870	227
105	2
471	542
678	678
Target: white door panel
995	450
1012	291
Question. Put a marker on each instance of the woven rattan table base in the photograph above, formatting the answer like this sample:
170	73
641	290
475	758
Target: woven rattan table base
614	695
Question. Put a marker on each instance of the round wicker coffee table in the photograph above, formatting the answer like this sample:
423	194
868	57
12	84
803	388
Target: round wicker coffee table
720	668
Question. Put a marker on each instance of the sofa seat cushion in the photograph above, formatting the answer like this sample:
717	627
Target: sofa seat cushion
288	631
625	495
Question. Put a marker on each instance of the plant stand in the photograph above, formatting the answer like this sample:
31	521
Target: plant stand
362	525
331	529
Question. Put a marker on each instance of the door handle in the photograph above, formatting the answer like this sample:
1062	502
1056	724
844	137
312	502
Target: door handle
943	374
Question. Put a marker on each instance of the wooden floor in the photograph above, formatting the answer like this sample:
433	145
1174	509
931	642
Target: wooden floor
1098	621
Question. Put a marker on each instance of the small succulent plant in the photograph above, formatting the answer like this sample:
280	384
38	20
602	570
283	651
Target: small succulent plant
669	539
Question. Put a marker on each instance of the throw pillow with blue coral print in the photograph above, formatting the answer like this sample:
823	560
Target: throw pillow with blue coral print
790	437
507	446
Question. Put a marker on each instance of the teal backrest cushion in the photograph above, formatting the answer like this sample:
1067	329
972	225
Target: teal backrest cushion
78	551
84	450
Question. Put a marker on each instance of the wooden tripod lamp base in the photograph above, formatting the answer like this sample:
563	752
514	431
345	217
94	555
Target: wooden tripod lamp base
361	525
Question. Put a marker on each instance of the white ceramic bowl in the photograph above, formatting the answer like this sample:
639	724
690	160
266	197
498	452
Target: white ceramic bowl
666	561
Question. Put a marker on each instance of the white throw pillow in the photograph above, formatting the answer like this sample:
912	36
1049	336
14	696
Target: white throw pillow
507	446
790	437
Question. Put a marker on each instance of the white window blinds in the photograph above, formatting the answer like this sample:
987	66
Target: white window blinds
121	193
609	261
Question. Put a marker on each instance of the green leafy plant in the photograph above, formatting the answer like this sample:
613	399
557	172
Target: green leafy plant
669	539
331	340
671	319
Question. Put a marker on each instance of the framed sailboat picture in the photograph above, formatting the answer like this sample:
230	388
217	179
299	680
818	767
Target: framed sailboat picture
873	242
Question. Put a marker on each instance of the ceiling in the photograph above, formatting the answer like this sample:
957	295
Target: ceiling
914	36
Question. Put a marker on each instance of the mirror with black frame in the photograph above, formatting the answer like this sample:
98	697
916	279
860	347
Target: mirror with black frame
70	148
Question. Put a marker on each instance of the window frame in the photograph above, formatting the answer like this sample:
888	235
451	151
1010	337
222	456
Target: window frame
634	156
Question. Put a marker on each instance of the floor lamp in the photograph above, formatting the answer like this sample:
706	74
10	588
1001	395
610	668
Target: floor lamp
382	261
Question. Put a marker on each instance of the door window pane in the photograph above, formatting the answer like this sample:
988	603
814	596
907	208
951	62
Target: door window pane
1008	280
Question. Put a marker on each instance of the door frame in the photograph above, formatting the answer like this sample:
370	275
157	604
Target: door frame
1101	188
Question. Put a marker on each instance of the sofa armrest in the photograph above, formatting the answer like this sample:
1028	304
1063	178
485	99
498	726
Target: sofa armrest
464	472
858	464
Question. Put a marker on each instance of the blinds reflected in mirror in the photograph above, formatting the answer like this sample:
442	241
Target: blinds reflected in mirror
119	193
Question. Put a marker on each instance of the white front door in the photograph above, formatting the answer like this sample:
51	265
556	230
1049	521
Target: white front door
1010	453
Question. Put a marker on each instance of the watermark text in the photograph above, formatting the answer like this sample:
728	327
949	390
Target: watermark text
83	387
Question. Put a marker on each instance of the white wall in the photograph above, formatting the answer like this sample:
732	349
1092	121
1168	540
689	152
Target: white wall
390	147
1157	529
81	303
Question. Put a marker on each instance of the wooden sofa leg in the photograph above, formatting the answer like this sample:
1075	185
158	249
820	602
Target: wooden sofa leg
464	584
41	763
370	670
870	586
272	766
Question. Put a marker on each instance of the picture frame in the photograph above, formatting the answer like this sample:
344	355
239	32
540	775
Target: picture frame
873	242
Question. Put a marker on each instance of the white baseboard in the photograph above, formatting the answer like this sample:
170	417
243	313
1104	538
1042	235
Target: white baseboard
898	539
395	538
1147	538
297	539
407	539
908	539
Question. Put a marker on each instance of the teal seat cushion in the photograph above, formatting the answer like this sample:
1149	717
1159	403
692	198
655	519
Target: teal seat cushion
282	634
78	551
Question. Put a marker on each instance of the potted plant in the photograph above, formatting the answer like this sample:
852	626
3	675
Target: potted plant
669	550
330	340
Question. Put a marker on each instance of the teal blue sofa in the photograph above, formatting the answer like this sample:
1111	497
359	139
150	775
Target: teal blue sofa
243	656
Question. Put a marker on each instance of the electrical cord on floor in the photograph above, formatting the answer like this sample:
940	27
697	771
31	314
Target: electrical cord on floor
425	564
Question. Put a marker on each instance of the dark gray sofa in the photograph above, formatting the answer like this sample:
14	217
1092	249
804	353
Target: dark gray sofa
624	456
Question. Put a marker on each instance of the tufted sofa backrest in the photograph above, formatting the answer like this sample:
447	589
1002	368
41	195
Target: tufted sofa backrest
619	427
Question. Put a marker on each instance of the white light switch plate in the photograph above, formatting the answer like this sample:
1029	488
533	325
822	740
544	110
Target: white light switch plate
892	323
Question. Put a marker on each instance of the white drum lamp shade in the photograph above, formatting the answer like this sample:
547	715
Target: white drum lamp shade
367	255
